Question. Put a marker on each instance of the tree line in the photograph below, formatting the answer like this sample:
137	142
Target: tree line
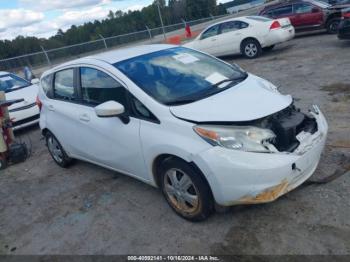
116	23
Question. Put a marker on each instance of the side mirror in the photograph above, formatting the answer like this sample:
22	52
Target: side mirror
109	109
35	81
315	10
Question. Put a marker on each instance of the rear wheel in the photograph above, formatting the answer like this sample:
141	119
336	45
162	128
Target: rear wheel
186	191
251	48
332	25
3	164
268	48
56	151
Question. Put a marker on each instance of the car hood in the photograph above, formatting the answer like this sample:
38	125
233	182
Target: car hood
338	7
28	93
249	100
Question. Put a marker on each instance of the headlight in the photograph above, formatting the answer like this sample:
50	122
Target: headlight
245	138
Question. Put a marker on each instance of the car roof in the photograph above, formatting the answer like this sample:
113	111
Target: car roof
4	73
115	56
240	18
315	2
283	4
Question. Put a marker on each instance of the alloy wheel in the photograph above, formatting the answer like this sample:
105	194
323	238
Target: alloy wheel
181	191
251	50
333	27
55	149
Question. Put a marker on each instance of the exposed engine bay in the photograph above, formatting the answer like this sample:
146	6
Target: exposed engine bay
287	124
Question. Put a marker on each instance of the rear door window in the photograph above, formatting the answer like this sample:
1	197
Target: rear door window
46	84
282	11
232	26
302	8
64	85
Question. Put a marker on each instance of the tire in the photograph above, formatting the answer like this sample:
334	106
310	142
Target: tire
185	190
251	48
56	151
332	25
3	164
268	48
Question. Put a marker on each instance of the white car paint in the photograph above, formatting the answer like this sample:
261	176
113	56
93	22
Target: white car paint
230	104
229	43
234	176
22	113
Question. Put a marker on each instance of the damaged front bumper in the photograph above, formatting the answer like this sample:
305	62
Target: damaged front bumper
238	177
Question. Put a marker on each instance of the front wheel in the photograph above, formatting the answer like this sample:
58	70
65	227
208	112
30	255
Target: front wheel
185	190
251	48
332	26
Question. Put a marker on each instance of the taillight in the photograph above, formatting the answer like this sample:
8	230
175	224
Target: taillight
38	103
275	25
346	15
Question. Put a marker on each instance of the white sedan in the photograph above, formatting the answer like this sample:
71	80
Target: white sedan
25	113
248	35
202	130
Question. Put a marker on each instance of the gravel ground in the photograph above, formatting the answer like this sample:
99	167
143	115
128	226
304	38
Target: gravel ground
89	210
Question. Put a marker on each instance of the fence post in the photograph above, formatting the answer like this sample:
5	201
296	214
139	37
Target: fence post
46	55
104	40
150	33
161	19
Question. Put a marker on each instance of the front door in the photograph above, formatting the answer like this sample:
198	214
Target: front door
307	15
208	41
112	141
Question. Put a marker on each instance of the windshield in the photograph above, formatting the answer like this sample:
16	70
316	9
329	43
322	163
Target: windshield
11	82
179	75
321	4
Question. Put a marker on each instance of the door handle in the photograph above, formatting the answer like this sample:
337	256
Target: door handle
213	39
51	108
84	118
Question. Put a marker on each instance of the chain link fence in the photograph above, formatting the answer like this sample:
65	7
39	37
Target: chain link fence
45	59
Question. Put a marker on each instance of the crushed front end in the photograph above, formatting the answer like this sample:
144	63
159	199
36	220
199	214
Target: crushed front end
238	177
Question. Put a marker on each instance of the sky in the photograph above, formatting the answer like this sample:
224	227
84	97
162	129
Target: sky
42	18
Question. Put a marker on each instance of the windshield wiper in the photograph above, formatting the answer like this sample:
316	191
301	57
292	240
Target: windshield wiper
207	92
233	79
180	102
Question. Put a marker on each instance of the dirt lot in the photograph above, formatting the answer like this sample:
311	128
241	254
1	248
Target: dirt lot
88	210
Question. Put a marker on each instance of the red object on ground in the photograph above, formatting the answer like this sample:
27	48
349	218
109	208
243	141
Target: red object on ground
174	40
188	31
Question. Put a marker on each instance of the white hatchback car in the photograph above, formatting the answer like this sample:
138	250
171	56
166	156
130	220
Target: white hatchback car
248	35
202	130
25	113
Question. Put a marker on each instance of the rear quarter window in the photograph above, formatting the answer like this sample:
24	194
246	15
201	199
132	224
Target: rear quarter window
46	85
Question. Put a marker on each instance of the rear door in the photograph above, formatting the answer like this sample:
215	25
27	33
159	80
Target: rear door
61	109
307	15
207	41
281	12
231	36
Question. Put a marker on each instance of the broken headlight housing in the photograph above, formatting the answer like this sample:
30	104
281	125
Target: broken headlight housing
245	138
